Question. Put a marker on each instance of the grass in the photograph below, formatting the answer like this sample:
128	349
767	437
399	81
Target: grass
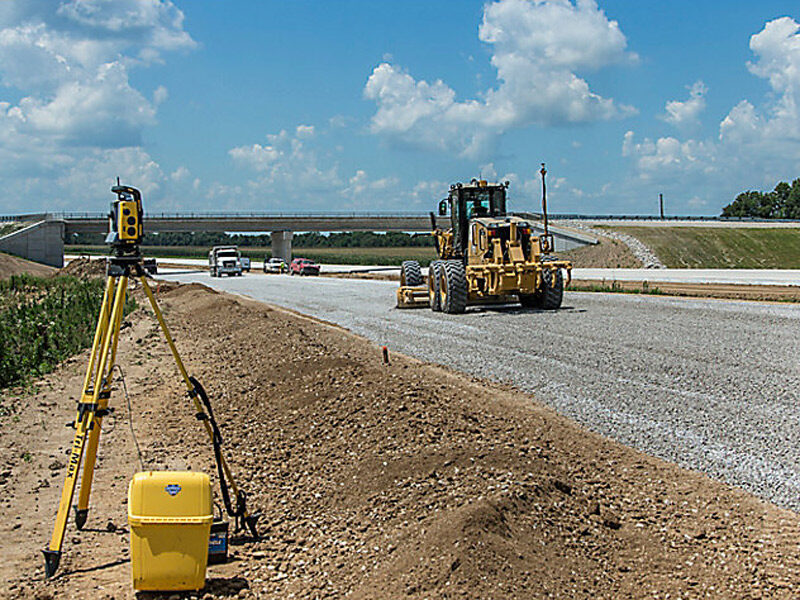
346	256
43	321
7	228
615	287
721	247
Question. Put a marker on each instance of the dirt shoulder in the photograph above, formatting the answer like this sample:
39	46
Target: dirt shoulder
607	254
377	481
14	265
759	293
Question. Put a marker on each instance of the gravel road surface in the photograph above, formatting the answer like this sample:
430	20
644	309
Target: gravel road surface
711	385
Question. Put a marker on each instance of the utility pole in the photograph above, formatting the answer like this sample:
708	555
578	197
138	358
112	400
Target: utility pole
661	205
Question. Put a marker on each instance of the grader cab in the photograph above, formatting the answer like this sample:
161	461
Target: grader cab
486	256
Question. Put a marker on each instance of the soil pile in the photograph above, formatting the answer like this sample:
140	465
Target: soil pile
85	267
381	480
608	254
14	265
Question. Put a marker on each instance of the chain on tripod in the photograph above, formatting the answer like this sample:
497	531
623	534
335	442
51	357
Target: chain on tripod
126	229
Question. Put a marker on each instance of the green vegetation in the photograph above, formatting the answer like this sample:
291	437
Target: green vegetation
781	203
721	247
43	321
340	255
615	287
7	228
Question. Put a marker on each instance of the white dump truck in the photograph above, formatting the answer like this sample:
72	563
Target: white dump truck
224	260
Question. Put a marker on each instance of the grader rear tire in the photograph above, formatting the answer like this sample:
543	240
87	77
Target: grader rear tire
410	273
433	286
453	287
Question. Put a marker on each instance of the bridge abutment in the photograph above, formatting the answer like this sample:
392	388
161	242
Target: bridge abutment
282	245
42	242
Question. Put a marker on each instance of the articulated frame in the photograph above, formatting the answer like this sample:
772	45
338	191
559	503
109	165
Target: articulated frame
95	396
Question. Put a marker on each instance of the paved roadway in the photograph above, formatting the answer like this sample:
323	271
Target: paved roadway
709	384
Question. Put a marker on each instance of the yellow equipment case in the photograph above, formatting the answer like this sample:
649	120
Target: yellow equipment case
170	515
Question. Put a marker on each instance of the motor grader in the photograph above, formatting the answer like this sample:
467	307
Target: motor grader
486	256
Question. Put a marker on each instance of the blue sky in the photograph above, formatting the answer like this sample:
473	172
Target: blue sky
357	105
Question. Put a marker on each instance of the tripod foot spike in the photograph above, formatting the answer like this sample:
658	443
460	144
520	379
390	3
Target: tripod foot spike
51	560
81	514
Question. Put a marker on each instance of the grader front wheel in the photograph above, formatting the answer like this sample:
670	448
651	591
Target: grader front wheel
410	274
553	292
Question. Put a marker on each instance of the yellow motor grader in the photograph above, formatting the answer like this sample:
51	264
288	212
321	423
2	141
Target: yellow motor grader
486	256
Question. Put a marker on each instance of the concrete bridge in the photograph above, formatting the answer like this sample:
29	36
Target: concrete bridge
41	236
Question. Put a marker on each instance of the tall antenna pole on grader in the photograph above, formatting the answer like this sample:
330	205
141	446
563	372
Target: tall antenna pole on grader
543	172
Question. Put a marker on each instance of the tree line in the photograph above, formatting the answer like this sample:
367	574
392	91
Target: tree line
350	239
781	203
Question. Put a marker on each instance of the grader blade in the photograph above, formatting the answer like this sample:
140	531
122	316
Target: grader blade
412	297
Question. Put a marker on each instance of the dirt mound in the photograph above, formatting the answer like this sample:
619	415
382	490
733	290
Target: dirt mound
85	267
608	254
14	265
381	481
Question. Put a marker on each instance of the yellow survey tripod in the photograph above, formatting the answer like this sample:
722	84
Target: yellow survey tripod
125	234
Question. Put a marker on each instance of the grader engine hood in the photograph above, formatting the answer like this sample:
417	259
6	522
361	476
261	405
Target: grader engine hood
503	240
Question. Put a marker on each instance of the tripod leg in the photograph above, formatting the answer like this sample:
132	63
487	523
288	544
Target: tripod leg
104	380
83	423
194	396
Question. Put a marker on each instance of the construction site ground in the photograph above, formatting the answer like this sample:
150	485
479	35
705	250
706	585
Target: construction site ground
405	480
14	265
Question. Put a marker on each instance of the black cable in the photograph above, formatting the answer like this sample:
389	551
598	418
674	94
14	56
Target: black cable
216	440
130	415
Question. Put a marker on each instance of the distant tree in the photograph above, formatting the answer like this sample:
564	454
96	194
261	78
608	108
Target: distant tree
792	209
746	204
781	203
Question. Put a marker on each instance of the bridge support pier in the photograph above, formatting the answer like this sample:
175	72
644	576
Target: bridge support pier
282	245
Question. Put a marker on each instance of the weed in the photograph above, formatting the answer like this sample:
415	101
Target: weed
43	321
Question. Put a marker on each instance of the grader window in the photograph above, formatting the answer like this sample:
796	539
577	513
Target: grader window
485	203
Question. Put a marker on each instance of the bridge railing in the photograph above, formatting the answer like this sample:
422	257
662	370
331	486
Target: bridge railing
24	217
247	215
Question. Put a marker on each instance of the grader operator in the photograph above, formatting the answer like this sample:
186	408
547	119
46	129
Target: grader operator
487	255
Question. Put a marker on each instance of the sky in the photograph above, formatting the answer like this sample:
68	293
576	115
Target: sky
368	106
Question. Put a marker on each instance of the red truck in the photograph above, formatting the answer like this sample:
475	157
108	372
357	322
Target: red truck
303	266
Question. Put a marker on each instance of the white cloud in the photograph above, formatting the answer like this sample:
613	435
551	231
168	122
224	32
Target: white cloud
286	163
153	26
160	95
360	185
75	108
777	50
96	173
686	113
667	155
757	144
538	49
305	131
180	174
256	156
290	171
